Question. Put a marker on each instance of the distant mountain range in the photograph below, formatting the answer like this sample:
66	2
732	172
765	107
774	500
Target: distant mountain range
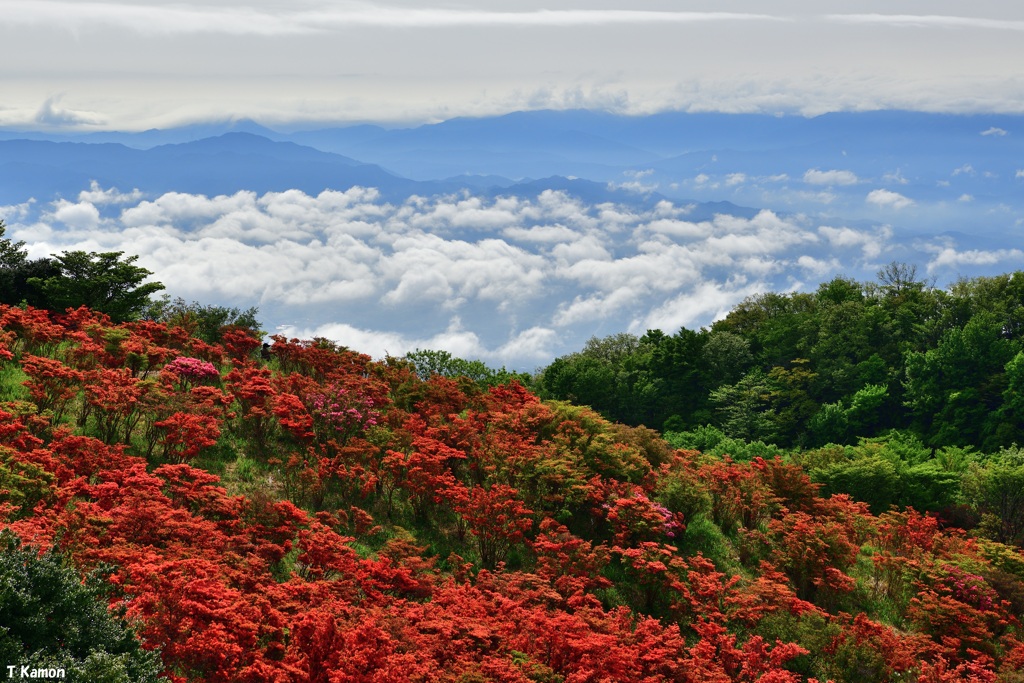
826	164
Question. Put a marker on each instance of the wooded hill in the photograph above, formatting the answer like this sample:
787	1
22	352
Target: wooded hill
853	359
320	516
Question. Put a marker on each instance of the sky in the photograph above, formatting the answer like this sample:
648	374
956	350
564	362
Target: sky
513	280
134	65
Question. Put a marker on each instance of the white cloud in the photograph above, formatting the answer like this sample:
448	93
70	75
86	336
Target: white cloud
511	280
994	131
680	229
949	257
379	343
97	195
708	299
598	307
545	234
734	179
536	343
430	268
818	267
833	177
929	20
966	169
871	244
889	199
635	186
83	215
51	114
16	212
321	17
895	177
965	198
1020	173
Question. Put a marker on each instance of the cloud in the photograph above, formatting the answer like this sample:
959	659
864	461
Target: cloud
677	229
994	131
949	257
16	212
930	20
816	177
966	169
323	17
895	177
50	114
96	195
430	268
818	267
545	234
380	343
83	215
889	199
707	300
636	184
966	198
510	280
871	244
535	345
1020	173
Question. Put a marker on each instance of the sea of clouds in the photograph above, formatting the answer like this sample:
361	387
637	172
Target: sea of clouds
513	281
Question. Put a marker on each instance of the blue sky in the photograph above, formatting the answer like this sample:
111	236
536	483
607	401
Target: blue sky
154	63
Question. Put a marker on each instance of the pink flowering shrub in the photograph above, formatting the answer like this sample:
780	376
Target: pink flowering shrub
339	413
635	517
192	371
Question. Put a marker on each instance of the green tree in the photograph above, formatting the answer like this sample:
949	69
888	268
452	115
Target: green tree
16	271
49	618
677	363
1010	427
430	362
101	281
12	254
779	327
996	490
1000	295
791	401
955	390
863	414
872	479
612	375
205	321
743	408
726	358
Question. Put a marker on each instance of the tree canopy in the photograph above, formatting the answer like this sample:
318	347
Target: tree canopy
800	369
106	282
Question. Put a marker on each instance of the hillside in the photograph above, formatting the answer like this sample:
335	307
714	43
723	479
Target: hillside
315	515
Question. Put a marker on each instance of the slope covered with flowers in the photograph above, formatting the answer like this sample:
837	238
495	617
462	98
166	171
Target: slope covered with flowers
385	527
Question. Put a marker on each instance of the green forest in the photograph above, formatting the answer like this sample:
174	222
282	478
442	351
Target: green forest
822	486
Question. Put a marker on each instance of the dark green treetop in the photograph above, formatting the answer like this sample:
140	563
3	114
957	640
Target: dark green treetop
104	282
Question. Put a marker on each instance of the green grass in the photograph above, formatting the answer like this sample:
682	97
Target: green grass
11	378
